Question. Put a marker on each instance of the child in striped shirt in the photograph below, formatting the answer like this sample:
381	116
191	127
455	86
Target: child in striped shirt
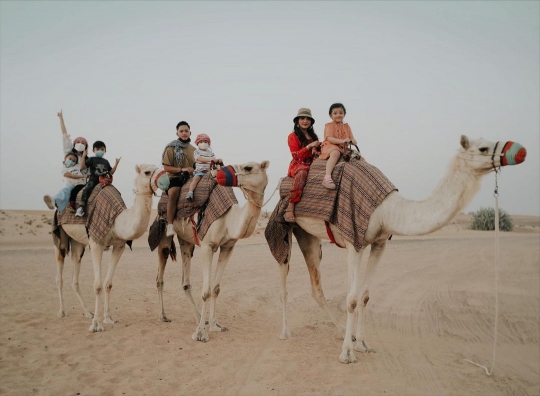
203	158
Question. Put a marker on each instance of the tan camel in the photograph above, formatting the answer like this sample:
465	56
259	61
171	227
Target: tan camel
237	223
395	216
129	225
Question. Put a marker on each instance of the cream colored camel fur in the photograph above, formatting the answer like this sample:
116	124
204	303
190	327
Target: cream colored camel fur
395	216
129	225
237	223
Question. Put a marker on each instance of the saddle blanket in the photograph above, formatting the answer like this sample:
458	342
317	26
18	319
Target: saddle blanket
210	200
361	188
102	208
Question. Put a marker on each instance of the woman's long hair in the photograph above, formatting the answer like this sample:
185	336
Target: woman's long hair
300	135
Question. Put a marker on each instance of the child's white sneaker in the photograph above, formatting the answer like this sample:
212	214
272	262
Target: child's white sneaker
328	183
80	212
49	201
170	230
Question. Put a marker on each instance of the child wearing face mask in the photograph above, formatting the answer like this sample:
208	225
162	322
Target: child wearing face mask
97	166
203	158
71	170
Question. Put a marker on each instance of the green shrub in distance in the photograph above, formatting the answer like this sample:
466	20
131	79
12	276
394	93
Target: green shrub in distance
484	220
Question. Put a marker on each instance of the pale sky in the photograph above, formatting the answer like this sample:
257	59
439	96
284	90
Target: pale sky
413	76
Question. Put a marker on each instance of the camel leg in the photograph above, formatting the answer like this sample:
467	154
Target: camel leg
107	284
377	250
224	256
284	271
206	254
77	251
163	255
311	249
186	250
354	260
96	251
60	256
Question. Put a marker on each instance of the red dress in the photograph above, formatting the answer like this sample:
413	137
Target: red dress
302	158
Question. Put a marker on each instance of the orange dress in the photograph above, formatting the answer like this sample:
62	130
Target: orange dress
339	131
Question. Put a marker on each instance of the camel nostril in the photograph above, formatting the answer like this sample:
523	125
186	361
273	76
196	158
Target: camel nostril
520	155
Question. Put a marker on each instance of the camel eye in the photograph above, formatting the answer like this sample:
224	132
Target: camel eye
483	149
147	173
248	168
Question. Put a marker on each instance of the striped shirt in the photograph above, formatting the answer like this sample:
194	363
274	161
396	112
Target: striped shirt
199	166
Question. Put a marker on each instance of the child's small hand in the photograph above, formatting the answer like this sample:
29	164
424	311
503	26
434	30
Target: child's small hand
59	114
118	161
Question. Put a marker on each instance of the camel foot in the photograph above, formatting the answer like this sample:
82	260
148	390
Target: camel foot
342	335
362	346
88	314
61	313
285	335
109	320
95	327
200	335
347	357
217	327
164	318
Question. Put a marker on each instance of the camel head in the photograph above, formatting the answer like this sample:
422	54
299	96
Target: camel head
250	175
483	156
150	178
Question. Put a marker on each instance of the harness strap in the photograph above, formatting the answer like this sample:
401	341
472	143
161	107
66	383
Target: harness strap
331	235
194	228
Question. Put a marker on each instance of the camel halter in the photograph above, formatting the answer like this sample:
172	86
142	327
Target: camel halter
496	327
155	181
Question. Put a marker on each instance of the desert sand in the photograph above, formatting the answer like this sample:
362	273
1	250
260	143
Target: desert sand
431	306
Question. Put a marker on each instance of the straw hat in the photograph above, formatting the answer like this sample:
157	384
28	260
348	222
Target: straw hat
304	112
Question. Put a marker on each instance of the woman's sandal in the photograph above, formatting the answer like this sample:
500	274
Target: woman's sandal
289	216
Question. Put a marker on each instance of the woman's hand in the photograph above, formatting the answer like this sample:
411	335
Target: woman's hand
85	153
316	143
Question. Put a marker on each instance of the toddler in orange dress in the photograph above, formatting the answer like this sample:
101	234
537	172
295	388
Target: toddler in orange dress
336	136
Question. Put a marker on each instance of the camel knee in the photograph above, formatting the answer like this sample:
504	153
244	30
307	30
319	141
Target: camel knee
75	285
159	284
365	298
351	304
206	295
97	289
187	287
108	287
216	291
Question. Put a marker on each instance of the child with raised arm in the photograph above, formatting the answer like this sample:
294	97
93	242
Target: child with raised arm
336	136
203	158
97	166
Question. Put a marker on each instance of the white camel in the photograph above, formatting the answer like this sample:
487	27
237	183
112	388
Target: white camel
129	225
237	223
395	216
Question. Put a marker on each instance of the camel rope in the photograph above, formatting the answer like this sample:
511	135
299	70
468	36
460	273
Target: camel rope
496	195
248	198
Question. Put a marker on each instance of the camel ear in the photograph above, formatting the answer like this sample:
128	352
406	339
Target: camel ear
464	142
265	165
137	169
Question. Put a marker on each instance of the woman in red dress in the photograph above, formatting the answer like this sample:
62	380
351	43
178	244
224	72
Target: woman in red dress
304	145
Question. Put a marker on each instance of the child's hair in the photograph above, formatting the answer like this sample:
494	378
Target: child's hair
336	106
182	123
99	144
72	154
300	135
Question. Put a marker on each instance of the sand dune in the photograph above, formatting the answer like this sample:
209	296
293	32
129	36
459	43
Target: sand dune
431	306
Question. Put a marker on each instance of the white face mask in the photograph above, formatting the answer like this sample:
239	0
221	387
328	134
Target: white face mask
79	147
203	145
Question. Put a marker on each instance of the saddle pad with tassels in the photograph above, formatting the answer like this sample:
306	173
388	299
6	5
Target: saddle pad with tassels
361	189
102	211
68	217
215	199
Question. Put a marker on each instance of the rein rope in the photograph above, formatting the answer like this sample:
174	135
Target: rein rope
495	331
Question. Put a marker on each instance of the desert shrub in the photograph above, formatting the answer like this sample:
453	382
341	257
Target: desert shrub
484	220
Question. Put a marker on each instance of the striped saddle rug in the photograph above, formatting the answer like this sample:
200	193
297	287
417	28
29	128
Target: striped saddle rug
361	188
102	208
210	201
